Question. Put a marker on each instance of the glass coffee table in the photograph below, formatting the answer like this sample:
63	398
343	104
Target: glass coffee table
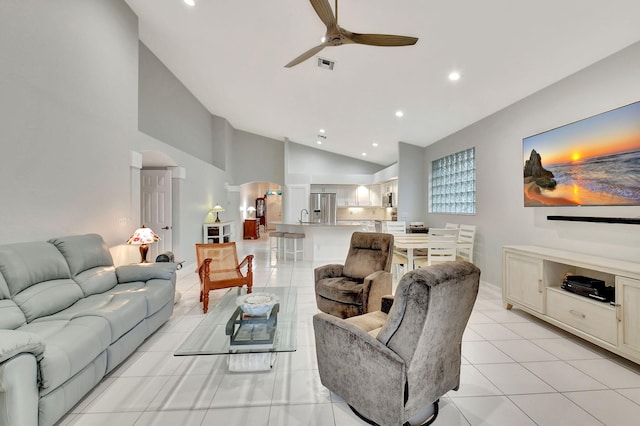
256	340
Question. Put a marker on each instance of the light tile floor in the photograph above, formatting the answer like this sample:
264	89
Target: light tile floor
516	371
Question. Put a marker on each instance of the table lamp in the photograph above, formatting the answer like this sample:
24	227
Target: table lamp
251	211
217	209
143	236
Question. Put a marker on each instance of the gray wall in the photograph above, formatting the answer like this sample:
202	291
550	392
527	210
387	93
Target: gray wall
312	161
255	158
170	113
501	217
411	182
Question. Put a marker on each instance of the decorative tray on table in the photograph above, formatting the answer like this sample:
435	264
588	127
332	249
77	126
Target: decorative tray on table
253	323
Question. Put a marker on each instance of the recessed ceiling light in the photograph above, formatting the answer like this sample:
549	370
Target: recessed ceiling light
190	2
399	113
375	144
454	76
321	130
364	154
319	142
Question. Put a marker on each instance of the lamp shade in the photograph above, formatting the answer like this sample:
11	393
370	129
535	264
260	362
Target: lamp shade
217	209
143	235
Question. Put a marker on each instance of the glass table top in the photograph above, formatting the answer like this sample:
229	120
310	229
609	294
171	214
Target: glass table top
214	333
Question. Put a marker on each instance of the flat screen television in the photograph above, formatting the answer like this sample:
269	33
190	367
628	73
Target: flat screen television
591	162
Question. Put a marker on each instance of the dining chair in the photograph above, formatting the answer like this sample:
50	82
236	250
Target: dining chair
442	247
450	225
467	235
399	227
399	256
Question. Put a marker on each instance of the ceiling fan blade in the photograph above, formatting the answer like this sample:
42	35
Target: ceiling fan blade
306	55
323	9
382	39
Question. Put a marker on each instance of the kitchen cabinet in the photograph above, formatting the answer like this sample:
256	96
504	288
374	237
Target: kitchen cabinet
362	196
532	277
375	197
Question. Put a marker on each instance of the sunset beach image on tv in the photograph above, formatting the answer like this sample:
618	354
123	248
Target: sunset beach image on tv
592	162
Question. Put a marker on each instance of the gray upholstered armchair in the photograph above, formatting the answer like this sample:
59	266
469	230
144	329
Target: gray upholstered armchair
357	286
393	367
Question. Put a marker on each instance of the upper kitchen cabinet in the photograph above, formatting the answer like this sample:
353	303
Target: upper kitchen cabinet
375	195
353	195
346	195
324	188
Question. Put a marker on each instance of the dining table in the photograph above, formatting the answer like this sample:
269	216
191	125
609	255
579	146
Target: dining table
405	244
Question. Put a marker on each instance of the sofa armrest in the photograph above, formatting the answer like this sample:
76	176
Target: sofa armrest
351	363
387	302
19	389
14	342
145	272
376	285
327	271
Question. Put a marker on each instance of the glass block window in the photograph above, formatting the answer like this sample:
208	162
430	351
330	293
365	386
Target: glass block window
453	183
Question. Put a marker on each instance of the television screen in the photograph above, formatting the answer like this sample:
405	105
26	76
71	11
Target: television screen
592	162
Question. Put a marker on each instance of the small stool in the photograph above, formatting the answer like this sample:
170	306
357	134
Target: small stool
278	239
293	237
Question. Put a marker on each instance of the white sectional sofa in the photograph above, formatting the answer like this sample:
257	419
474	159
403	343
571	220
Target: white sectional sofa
67	318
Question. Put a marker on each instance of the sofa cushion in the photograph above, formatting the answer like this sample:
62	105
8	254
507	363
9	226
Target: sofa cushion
26	264
341	289
368	253
70	345
122	311
97	280
83	252
156	292
47	298
38	278
11	316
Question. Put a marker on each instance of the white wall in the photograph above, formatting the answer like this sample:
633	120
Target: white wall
69	123
68	116
501	217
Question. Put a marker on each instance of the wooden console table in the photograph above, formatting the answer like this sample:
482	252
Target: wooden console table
251	229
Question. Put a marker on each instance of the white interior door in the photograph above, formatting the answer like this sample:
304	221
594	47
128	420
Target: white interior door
155	190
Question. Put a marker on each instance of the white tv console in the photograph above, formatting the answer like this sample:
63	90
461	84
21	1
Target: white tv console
531	280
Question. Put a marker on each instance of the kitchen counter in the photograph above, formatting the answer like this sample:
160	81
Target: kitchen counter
324	242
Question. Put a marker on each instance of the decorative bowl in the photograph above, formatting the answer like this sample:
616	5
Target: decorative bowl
256	304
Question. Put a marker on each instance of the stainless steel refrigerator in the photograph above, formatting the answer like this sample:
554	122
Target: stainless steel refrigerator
322	208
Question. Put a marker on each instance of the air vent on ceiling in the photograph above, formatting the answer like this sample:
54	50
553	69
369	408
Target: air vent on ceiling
325	63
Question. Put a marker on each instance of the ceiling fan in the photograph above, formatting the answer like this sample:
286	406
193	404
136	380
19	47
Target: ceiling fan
337	36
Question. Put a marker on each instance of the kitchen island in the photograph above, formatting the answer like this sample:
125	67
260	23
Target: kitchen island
324	242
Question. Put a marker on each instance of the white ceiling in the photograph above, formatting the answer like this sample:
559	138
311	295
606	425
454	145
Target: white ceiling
231	54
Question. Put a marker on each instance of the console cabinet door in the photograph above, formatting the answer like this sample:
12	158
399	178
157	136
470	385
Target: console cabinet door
628	313
523	281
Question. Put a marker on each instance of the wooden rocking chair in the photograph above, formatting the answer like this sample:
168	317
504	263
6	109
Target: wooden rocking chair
218	267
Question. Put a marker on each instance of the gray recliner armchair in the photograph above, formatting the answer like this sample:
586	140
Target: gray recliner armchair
392	368
357	286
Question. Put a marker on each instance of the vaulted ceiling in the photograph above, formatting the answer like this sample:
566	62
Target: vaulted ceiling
231	54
